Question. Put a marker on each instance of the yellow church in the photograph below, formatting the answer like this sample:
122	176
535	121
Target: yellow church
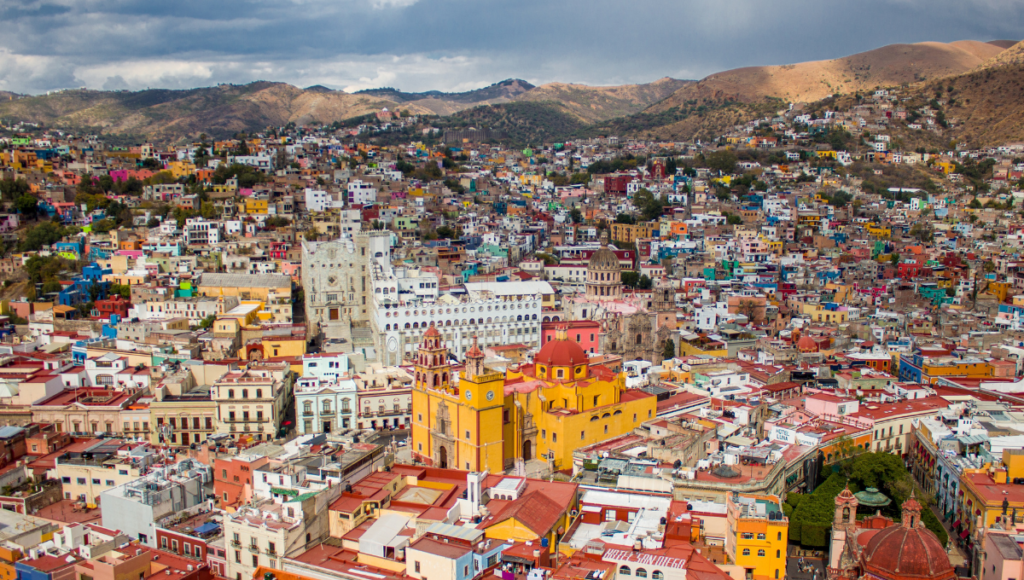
489	420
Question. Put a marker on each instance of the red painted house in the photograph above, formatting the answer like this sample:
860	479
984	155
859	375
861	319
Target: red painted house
193	538
232	479
586	333
115	305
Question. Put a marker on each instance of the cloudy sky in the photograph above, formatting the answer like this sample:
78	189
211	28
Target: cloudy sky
453	45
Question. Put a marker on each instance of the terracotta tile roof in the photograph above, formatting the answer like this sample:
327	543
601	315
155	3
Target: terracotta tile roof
535	510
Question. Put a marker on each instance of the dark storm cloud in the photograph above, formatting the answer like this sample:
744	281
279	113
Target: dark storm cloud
454	44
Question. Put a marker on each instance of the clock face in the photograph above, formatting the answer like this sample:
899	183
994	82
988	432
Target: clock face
332	280
490	395
469	395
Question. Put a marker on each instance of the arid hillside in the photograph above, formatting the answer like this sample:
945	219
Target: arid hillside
893	65
985	106
170	115
593	104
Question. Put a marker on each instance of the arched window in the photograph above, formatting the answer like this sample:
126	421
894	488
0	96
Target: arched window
245	393
657	575
846	515
641	573
624	571
760	552
746	551
231	393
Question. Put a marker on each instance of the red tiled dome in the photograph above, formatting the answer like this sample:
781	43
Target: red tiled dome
561	353
907	553
807	344
432	331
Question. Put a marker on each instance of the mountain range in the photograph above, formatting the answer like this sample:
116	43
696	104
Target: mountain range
666	108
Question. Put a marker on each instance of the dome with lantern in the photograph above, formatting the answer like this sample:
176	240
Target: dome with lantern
561	359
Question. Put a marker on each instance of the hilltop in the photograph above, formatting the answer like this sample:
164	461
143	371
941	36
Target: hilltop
592	104
446	103
160	114
985	106
892	65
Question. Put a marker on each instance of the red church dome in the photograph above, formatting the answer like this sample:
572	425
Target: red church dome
907	551
807	344
561	351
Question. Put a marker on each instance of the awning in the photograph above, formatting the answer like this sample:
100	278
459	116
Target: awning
964	534
956	524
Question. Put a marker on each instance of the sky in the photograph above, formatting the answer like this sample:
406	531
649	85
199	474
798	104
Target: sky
453	45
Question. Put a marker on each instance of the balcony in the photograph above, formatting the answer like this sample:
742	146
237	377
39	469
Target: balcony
248	420
236	544
327	413
271	553
308	413
254	548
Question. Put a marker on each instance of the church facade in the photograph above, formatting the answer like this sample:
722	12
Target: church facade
487	420
876	547
336	280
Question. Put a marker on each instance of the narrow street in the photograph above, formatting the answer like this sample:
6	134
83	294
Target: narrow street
956	555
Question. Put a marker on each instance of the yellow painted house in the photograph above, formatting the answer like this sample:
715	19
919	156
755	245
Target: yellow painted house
878	231
982	492
533	516
493	420
181	169
756	541
255	206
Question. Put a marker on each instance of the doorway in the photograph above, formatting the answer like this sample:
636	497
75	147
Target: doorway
442	457
527	450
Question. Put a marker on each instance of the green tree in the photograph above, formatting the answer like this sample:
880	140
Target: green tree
722	160
669	350
576	215
811	518
644	283
446	232
208	210
922	232
208	321
630	278
894	259
27	205
11	189
103	226
40	268
625	218
43	234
